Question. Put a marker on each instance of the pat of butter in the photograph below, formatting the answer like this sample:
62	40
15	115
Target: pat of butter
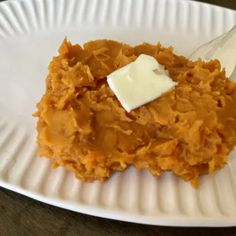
139	82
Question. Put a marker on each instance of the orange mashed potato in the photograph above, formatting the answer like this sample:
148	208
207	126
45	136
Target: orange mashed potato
189	130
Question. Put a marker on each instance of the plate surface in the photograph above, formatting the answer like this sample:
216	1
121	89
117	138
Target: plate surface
30	33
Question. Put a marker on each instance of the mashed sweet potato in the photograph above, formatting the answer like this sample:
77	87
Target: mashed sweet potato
82	126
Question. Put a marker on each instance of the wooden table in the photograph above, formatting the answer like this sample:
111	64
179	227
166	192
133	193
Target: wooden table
22	216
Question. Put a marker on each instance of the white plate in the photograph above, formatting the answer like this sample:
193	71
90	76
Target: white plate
30	33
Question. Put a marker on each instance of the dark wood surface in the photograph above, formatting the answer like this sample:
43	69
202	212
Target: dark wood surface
22	216
224	3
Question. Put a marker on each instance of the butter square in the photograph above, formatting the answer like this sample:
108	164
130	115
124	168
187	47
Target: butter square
140	82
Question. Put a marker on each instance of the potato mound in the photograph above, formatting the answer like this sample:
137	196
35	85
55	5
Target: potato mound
82	126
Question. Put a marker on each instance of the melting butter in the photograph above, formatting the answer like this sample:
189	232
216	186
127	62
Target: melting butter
140	82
